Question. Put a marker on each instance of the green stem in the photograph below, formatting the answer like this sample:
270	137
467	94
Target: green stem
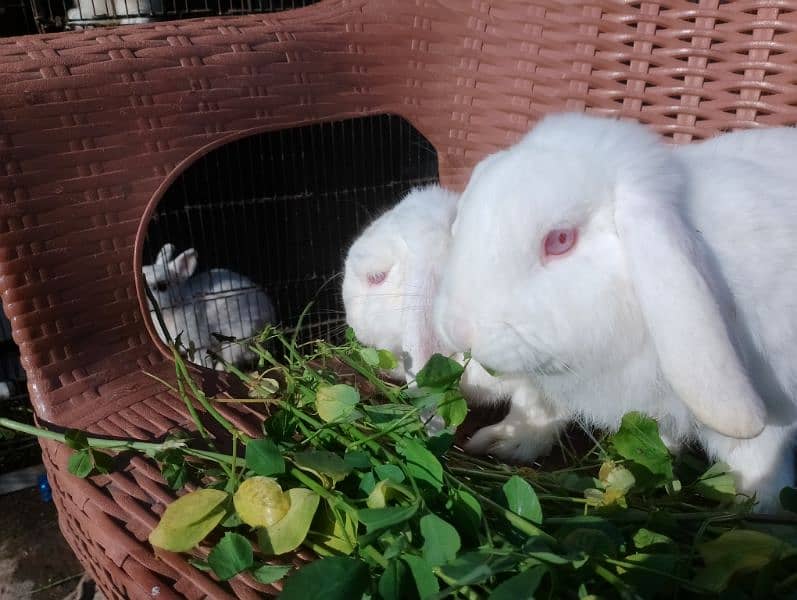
400	422
111	444
333	500
93	442
191	409
374	554
610	577
517	521
217	457
57	582
701	516
180	391
369	376
374	446
316	425
490	466
632	565
480	474
465	590
296	358
571	499
787	583
349	429
158	315
234	465
182	371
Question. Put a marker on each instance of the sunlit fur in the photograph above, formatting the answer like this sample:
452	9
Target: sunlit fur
679	294
410	243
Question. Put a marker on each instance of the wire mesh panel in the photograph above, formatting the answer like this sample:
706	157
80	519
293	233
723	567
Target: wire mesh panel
15	451
12	376
16	18
270	218
56	15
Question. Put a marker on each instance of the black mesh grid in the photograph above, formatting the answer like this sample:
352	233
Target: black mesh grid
16	451
10	369
282	208
16	18
53	15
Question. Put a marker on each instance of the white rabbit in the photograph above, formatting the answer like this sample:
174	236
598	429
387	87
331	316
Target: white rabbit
625	274
7	386
390	277
124	12
215	301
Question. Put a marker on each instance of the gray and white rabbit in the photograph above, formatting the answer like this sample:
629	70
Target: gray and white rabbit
124	12
390	278
198	305
620	273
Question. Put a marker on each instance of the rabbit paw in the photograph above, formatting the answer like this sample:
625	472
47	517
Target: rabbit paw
512	441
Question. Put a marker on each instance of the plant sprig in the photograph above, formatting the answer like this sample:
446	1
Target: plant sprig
348	469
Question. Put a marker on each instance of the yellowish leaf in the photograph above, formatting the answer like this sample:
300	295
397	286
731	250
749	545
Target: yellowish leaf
189	519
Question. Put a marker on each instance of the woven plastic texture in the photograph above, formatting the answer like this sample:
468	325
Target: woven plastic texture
94	126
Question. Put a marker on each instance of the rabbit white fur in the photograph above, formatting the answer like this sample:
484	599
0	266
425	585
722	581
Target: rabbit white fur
125	12
390	278
677	298
215	301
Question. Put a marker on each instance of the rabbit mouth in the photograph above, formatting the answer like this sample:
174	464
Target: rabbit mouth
528	355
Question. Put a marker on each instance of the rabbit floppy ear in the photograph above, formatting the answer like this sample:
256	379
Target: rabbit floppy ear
418	338
682	314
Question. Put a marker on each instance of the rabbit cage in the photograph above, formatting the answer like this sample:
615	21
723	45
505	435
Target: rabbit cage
265	142
59	15
16	452
19	451
278	230
278	210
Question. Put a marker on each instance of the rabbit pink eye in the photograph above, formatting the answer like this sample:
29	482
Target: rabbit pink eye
376	278
559	241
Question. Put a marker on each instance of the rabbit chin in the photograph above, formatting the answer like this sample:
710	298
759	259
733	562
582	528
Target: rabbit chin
560	347
516	358
600	383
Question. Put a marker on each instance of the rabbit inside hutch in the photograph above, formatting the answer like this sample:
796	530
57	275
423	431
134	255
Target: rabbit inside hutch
129	12
195	306
123	12
277	210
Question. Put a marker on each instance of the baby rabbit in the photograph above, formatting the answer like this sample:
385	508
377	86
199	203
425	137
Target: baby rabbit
625	274
124	12
215	301
390	277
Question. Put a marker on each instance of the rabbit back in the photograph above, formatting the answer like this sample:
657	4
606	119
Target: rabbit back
233	306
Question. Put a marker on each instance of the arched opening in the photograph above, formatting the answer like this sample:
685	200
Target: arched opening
255	230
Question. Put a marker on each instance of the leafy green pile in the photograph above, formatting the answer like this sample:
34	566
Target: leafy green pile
348	470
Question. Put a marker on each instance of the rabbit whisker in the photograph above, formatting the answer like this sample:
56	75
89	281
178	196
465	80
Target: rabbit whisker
538	347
